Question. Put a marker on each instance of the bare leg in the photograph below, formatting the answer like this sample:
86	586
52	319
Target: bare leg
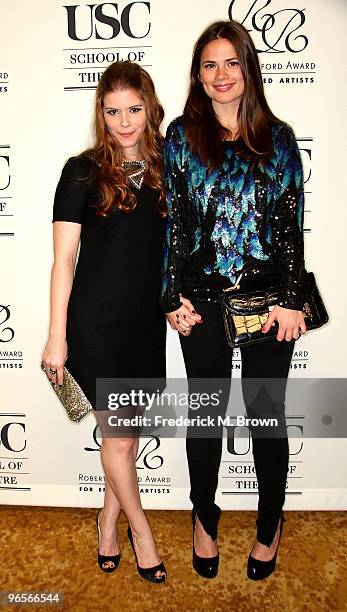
204	546
111	510
266	553
117	456
108	517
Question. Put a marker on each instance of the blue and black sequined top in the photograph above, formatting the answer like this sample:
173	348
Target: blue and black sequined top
222	222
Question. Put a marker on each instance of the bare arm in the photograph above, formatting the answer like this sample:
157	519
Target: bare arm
66	237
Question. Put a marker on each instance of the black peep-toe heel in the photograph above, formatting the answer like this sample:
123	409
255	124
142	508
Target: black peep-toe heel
106	558
148	573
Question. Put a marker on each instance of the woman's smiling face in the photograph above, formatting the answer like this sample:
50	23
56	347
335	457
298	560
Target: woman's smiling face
220	73
126	118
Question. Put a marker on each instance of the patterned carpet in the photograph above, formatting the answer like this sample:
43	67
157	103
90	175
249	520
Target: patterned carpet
54	549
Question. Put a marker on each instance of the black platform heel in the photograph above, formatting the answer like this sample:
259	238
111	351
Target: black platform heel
106	558
148	573
258	570
207	567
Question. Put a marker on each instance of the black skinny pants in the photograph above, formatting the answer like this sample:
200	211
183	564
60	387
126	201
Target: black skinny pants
207	356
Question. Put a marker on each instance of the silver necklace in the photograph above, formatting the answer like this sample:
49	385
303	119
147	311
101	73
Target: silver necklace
135	171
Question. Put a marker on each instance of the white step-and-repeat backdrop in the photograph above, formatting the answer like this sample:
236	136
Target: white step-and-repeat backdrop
52	55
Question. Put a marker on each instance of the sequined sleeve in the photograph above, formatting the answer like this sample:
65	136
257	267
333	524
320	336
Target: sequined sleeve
287	220
176	241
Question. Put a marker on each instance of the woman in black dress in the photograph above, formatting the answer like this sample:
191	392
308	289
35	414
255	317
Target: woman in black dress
106	321
235	219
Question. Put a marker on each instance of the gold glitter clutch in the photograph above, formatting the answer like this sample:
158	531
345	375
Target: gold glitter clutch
72	397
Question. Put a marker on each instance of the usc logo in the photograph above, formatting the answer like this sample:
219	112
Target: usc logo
5	177
12	436
111	15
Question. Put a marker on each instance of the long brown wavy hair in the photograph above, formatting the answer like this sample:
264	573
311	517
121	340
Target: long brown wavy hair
204	132
111	179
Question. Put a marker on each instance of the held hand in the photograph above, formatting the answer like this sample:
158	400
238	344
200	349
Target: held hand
291	323
53	358
183	319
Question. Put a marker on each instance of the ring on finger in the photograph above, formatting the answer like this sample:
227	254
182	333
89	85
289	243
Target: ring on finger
52	371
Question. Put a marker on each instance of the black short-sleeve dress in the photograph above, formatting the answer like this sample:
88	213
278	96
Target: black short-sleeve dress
115	326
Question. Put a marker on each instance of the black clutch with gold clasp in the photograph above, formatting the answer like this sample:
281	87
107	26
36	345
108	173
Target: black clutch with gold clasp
246	313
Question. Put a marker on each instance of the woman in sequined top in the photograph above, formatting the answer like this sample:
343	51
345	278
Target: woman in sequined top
235	204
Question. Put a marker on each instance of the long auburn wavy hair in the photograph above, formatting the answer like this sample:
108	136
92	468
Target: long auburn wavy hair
204	132
111	179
